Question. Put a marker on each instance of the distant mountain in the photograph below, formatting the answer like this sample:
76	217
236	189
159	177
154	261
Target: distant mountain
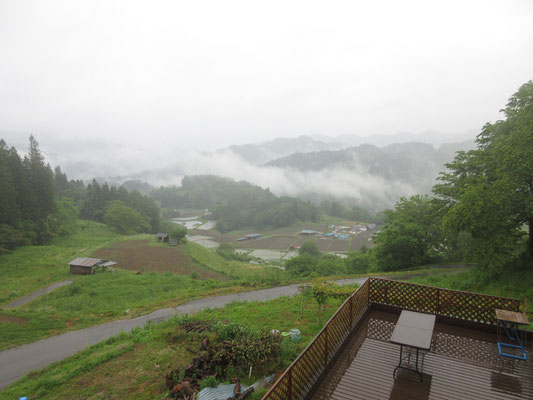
271	150
435	138
261	153
417	164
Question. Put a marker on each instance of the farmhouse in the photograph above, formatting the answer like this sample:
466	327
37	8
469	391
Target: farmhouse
309	232
85	266
253	236
162	237
342	228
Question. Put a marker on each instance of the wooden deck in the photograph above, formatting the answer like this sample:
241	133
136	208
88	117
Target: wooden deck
463	363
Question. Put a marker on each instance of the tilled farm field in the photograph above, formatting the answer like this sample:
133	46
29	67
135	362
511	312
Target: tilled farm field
269	243
137	255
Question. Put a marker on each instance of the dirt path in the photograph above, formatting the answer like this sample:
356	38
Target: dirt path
26	299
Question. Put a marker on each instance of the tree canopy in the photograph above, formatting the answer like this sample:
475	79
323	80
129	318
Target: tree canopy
488	192
411	236
27	196
483	205
235	204
310	248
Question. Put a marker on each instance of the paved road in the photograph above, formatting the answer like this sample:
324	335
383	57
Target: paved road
26	299
18	361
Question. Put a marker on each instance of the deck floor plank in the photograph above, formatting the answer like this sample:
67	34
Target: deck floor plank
462	364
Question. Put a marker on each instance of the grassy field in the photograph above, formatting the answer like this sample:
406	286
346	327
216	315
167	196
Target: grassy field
150	276
245	273
134	365
32	267
98	298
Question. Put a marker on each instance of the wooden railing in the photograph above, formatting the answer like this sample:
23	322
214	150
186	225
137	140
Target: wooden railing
466	306
298	379
305	370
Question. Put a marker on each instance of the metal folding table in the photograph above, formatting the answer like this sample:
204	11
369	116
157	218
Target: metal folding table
413	330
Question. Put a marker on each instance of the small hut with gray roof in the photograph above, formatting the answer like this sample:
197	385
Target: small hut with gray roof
85	266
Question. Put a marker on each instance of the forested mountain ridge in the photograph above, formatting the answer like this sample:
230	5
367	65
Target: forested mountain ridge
235	204
416	163
280	147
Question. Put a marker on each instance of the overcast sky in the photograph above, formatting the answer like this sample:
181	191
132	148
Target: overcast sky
222	72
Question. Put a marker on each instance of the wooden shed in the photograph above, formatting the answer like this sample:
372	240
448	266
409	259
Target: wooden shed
162	237
85	266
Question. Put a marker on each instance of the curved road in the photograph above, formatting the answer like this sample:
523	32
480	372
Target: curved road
18	361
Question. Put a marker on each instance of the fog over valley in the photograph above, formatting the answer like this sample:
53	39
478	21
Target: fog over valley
371	176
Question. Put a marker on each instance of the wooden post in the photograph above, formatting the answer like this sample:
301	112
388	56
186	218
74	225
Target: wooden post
290	385
326	346
351	312
369	282
437	311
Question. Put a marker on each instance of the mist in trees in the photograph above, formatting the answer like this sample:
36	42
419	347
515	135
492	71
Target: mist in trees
38	203
27	198
235	204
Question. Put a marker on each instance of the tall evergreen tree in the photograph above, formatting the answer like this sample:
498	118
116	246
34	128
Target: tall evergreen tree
8	196
40	179
61	183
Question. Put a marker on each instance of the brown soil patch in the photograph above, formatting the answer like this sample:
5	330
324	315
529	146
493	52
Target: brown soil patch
361	240
137	254
14	320
271	243
339	245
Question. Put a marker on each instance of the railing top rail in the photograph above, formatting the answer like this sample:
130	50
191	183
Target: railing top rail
445	290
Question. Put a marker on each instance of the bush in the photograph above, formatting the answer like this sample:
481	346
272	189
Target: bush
310	248
302	265
209	381
358	262
227	251
178	232
288	351
125	219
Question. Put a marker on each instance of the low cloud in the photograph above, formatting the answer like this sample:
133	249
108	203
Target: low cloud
355	183
167	165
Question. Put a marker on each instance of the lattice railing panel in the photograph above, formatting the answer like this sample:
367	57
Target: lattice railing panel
448	303
404	295
379	329
472	306
280	391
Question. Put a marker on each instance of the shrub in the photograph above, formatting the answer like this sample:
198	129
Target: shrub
209	381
